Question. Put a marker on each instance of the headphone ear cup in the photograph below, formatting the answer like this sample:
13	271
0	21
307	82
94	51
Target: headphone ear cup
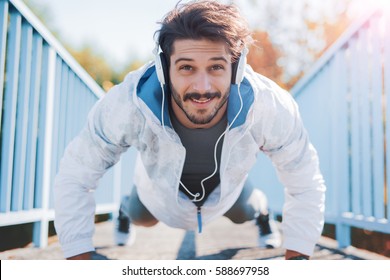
234	72
238	68
161	68
164	66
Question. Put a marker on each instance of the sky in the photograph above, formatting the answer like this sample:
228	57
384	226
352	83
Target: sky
119	29
122	30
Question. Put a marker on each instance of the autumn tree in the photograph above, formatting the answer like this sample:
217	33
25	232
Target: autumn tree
263	57
95	65
291	35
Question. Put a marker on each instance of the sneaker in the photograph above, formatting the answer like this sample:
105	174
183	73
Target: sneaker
124	233
269	236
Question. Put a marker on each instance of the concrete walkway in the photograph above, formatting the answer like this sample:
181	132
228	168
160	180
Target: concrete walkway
220	240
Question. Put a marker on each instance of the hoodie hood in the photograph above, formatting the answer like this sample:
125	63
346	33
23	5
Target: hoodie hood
150	92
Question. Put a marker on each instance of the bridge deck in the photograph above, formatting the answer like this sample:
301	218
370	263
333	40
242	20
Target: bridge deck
220	240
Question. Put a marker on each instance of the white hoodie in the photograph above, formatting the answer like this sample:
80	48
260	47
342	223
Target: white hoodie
129	115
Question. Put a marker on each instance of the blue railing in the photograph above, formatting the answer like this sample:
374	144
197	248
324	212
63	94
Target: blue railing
47	96
345	104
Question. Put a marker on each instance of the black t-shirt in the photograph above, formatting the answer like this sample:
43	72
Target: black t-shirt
199	162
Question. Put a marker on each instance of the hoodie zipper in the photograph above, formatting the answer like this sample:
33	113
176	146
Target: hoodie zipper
199	215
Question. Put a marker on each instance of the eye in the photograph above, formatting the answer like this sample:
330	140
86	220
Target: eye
217	67
185	67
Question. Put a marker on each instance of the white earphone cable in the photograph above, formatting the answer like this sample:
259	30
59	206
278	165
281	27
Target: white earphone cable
196	199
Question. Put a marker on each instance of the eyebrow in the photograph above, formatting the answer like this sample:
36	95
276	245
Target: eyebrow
190	59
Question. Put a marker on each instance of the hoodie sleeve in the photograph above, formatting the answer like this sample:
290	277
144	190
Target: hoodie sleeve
111	126
287	144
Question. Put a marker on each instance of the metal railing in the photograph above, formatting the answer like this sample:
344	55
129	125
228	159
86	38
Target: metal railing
45	97
344	102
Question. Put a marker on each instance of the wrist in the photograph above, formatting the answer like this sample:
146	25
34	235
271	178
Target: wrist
294	255
83	256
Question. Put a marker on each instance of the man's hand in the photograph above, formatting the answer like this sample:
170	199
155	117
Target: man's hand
84	256
292	254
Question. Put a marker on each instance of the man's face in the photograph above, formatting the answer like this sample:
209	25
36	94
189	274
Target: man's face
200	76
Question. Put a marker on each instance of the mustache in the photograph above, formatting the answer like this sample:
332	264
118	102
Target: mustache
197	96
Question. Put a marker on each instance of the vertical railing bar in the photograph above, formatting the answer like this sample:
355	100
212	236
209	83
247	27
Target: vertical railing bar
41	229
386	75
56	116
348	54
377	122
62	114
32	133
10	100
83	101
70	113
355	130
73	109
3	43
22	121
365	123
42	116
333	96
340	174
78	105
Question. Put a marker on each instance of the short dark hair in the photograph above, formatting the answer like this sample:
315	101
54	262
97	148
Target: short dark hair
206	19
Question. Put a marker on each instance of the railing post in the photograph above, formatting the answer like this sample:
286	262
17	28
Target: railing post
340	177
41	228
32	133
386	75
3	40
343	233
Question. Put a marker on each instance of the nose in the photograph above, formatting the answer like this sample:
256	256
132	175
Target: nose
202	83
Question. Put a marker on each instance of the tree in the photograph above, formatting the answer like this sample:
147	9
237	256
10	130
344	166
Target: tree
263	57
95	65
297	31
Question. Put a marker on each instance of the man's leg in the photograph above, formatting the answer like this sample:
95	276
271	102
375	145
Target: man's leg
252	205
131	211
133	208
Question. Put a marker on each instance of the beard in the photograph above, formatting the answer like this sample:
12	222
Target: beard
200	116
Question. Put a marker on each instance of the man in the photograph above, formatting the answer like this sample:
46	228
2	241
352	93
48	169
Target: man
198	117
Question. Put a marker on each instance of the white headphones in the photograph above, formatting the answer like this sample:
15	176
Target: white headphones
161	65
239	67
162	70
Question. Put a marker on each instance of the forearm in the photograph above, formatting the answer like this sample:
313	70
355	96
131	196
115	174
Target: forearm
74	216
